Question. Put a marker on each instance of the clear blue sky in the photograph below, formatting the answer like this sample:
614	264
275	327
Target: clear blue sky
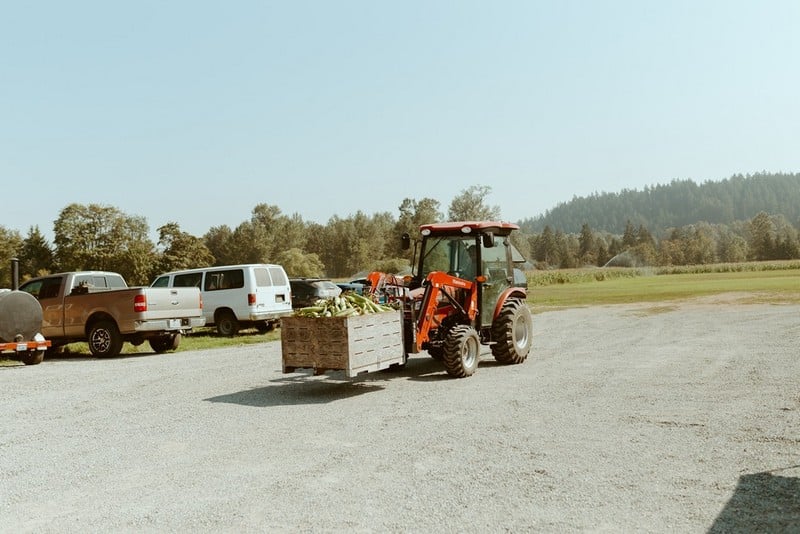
196	111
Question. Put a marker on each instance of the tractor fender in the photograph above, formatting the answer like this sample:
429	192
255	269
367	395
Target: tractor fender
510	293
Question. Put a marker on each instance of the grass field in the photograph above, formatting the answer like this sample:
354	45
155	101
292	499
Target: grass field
583	288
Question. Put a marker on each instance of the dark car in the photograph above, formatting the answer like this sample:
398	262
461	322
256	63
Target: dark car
306	291
353	287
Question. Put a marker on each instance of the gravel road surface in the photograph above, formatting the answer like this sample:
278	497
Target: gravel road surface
677	417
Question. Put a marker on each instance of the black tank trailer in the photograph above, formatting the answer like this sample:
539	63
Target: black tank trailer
21	324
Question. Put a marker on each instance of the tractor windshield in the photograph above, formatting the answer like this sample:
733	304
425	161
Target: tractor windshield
448	254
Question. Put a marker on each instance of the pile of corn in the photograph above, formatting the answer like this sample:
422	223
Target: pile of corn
342	306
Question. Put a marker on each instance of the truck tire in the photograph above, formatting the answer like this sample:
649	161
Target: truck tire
512	332
33	357
461	351
164	343
104	339
227	325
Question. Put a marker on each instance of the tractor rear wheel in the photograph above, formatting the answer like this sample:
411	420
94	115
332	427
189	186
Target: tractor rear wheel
461	351
512	332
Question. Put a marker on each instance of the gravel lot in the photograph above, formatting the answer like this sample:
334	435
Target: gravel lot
637	418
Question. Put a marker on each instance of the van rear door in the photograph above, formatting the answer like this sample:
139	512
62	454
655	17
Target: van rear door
273	294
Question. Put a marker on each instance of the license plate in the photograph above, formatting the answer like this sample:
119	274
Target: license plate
173	323
21	347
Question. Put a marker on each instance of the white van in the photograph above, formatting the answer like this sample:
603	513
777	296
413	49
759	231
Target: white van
236	296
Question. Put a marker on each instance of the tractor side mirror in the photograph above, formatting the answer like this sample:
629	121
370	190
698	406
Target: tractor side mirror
405	241
487	239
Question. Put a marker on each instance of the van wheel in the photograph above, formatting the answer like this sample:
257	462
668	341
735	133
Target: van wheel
227	325
164	343
104	339
265	326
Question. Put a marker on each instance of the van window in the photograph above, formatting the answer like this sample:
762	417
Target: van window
262	278
187	280
278	276
227	279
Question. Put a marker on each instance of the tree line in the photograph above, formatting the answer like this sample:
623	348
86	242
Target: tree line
98	237
677	204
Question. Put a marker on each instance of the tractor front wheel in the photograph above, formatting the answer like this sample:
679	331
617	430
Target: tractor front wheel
461	351
512	332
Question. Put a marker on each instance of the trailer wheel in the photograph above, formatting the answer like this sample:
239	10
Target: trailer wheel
461	351
436	352
34	357
512	332
164	343
104	339
227	325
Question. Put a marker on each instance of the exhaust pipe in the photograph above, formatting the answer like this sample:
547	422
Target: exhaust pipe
14	274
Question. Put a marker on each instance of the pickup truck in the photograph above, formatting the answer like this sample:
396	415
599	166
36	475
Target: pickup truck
98	307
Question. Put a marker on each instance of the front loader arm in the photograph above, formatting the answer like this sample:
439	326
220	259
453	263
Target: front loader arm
438	303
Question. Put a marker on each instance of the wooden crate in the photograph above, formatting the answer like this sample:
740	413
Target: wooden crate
356	344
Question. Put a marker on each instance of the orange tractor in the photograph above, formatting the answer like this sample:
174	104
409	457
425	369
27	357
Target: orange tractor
466	292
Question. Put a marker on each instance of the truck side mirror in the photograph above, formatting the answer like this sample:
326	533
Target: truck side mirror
405	241
488	239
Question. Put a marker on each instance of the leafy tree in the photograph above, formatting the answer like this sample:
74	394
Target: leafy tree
732	248
545	247
89	237
413	214
219	241
629	239
298	263
10	245
587	250
36	255
357	243
180	250
762	237
470	205
264	236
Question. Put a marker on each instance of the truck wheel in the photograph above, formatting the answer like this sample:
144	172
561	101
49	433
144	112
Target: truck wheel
104	339
461	351
227	325
512	332
33	357
164	343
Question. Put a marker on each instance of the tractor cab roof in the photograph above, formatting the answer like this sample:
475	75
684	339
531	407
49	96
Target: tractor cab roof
468	227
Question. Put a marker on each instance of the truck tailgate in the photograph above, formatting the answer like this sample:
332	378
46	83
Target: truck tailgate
166	303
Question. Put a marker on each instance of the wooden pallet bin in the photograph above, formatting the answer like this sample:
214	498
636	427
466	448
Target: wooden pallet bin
356	344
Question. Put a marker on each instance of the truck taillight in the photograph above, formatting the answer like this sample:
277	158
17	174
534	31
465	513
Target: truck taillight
140	303
201	301
251	299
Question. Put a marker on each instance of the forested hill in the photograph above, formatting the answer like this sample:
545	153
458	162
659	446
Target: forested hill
677	204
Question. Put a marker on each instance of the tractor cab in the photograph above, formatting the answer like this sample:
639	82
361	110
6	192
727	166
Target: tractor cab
478	252
464	284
